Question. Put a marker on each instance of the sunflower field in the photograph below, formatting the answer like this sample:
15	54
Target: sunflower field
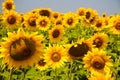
48	45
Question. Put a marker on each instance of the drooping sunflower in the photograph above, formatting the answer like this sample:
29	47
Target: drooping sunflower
100	40
56	56
99	24
45	12
30	20
70	19
21	49
56	33
11	19
43	23
115	27
8	5
78	49
96	61
42	65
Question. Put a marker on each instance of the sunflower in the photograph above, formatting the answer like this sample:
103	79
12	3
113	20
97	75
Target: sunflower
58	21
11	19
88	14
45	12
96	61
101	77
81	11
99	40
42	65
99	24
78	49
115	27
21	49
21	17
43	23
55	15
55	56
34	11
90	17
104	15
8	5
56	33
30	20
70	20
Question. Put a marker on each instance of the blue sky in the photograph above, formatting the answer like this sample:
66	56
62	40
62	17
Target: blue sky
108	6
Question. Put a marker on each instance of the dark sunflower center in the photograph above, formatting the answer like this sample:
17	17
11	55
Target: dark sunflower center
55	16
79	50
58	22
22	19
43	23
81	13
22	49
55	33
32	21
44	13
9	5
92	20
98	63
104	15
56	57
98	24
98	42
117	26
70	21
41	62
11	19
87	15
106	22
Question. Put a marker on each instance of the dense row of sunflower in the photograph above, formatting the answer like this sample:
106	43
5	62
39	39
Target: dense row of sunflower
47	45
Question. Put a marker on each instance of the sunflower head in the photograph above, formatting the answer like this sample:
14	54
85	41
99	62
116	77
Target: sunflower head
104	15
45	12
58	21
21	49
8	5
81	11
115	25
42	65
79	49
43	23
55	15
56	56
101	77
100	40
99	24
30	20
90	16
56	33
70	20
96	61
11	19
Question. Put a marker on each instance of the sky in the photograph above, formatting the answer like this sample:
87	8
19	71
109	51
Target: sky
107	6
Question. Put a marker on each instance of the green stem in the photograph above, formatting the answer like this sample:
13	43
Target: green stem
43	75
70	75
55	75
24	73
10	75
